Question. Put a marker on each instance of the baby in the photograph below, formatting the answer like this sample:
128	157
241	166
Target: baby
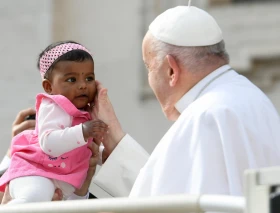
56	153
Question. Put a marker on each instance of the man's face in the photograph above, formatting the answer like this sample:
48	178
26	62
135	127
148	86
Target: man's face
158	78
75	81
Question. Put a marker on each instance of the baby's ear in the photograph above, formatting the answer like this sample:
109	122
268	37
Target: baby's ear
47	86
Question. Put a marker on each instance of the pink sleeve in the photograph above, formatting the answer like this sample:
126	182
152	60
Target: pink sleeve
55	131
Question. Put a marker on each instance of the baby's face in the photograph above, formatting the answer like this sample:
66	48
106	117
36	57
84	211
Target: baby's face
75	81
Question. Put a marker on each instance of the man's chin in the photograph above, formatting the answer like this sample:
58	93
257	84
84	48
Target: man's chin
171	114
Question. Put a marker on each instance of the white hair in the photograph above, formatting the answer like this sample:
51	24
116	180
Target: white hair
194	58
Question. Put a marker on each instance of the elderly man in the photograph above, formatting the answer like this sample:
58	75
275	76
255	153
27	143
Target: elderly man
223	123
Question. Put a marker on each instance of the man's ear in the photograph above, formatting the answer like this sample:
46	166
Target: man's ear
47	86
174	70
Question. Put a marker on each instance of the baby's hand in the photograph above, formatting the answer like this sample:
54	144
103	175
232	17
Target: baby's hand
94	129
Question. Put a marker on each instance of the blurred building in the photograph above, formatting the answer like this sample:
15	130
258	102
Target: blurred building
113	31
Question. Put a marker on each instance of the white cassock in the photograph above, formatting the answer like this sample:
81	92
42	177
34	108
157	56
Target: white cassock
227	125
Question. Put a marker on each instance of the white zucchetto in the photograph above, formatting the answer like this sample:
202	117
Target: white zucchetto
186	26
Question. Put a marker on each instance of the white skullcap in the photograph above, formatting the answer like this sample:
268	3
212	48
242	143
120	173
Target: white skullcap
186	26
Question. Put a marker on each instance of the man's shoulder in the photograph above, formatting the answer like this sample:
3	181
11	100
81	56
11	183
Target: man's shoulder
227	106
214	107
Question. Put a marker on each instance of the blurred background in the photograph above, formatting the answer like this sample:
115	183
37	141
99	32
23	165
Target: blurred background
113	32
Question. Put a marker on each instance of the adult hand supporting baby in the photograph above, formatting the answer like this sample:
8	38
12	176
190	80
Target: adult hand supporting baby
20	124
91	170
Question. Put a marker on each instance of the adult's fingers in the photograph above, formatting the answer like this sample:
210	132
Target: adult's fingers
23	114
101	93
90	173
7	197
25	125
57	195
98	85
94	148
93	162
1	196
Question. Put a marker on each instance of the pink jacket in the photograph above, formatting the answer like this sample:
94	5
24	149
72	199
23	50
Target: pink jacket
29	159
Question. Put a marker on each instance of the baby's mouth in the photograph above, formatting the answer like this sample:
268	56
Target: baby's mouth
82	96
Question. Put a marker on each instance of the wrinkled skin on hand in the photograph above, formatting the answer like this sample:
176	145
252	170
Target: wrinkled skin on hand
103	110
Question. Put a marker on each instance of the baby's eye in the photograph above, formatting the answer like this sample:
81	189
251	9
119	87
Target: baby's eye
71	80
90	79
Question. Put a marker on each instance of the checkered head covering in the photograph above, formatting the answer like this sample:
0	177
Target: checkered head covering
50	56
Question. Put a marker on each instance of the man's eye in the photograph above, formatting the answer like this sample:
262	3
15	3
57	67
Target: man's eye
71	80
90	79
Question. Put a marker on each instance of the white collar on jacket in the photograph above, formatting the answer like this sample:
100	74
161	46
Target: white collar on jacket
194	92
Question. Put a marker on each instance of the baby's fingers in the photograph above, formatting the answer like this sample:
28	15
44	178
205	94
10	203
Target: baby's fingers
99	123
99	127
